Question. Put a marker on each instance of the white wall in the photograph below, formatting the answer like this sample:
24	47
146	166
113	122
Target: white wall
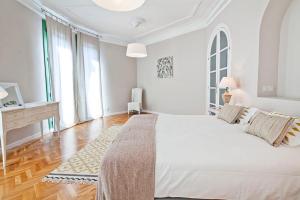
289	54
269	47
244	20
21	56
21	61
118	77
185	93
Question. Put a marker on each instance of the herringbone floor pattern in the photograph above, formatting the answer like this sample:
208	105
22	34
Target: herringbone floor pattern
30	162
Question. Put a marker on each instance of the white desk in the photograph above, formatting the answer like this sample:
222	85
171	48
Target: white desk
13	118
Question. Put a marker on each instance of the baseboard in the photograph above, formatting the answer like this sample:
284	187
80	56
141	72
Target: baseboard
114	113
26	139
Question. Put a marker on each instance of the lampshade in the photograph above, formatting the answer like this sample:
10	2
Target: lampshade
119	5
228	82
3	93
136	50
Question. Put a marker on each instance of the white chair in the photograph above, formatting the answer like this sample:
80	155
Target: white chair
136	100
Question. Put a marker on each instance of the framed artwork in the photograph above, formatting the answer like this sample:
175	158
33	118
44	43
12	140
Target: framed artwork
165	67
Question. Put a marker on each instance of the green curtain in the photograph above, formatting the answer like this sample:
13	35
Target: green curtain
49	95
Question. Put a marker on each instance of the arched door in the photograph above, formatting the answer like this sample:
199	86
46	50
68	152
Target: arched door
218	67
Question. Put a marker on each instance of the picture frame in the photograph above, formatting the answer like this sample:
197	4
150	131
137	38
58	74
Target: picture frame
165	67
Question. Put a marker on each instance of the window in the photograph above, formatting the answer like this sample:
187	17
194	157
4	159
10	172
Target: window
218	67
72	73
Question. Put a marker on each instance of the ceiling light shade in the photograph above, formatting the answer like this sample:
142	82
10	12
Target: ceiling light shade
120	5
136	50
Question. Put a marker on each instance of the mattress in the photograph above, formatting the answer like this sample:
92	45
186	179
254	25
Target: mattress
203	157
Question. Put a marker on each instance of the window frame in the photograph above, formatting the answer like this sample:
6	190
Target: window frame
211	108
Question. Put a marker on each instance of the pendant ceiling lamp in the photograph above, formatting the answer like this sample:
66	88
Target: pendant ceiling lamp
136	50
120	5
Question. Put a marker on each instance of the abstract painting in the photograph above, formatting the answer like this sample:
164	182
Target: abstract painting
165	67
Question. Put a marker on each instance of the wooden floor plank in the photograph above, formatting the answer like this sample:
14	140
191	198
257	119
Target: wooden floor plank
30	162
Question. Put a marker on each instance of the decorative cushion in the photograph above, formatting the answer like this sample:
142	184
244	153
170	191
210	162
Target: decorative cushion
292	136
271	128
230	113
246	115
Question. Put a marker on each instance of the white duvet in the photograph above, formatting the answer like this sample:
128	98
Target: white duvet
206	158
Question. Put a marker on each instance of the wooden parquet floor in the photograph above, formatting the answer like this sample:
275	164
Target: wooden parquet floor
28	163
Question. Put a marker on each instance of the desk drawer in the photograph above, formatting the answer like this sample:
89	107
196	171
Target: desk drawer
37	110
41	109
12	116
15	124
41	116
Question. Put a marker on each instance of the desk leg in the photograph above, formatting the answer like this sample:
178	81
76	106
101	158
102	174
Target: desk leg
57	123
3	148
42	129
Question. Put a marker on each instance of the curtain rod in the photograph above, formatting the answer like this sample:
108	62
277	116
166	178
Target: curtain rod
72	26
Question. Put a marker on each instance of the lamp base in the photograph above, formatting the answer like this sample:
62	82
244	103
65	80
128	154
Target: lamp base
226	97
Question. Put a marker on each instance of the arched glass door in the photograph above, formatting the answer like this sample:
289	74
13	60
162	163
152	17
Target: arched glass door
218	68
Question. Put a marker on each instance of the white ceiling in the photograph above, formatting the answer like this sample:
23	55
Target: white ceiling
164	18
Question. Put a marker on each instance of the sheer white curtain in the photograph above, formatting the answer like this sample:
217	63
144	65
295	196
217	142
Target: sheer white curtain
87	78
61	65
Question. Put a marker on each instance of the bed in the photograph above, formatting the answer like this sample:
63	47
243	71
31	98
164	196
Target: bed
202	157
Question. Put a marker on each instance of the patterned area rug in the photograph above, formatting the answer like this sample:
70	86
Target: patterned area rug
84	166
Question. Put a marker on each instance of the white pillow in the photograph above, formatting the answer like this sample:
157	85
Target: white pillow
230	113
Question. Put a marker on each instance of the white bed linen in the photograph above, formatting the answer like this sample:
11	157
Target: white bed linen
203	157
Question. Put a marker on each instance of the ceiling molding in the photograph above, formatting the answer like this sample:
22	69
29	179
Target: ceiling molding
186	26
218	8
32	6
36	6
194	12
176	28
113	40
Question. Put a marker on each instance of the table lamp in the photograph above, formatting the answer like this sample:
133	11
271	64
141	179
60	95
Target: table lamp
3	93
227	83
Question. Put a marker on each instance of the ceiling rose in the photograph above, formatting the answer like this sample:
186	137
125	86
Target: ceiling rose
120	5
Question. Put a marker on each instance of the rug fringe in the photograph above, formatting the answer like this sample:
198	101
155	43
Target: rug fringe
69	180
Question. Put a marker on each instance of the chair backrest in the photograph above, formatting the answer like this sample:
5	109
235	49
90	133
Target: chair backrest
136	95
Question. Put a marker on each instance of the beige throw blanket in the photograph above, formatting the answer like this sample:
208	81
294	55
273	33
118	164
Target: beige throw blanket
128	168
